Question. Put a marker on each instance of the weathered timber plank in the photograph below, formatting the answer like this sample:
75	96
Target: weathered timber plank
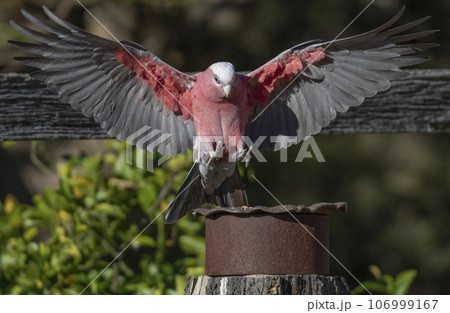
267	285
418	103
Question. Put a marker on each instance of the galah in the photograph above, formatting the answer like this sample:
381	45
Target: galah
125	88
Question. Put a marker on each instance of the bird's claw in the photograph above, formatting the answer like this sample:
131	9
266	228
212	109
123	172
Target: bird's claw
241	155
245	155
216	154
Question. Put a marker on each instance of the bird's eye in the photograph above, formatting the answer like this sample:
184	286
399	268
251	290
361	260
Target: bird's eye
216	79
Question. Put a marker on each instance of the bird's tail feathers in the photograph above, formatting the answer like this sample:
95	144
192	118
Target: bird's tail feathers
191	195
231	193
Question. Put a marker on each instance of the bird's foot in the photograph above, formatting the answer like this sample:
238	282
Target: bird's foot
216	154
241	154
244	155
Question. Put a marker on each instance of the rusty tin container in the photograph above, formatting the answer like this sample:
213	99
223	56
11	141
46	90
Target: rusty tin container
268	240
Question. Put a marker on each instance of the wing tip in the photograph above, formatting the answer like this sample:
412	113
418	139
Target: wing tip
51	15
47	11
18	44
397	16
15	25
27	15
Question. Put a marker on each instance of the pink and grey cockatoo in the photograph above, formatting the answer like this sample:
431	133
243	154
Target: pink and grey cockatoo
125	87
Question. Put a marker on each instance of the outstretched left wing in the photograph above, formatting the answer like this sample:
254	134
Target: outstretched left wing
123	86
301	90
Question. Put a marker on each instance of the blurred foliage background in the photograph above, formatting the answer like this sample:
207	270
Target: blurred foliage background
68	207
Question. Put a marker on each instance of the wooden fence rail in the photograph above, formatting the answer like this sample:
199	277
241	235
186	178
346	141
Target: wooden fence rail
418	103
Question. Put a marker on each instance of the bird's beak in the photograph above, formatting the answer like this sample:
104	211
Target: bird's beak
227	90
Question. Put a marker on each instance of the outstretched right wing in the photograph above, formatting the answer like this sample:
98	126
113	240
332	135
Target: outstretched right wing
124	87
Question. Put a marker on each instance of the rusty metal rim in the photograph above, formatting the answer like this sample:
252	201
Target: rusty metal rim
322	208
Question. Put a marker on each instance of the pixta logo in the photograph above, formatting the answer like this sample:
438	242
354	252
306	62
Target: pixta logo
151	140
254	148
147	140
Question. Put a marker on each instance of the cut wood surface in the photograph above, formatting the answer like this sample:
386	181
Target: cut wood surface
267	285
418	103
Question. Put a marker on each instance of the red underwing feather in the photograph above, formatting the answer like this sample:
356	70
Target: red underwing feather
167	84
281	70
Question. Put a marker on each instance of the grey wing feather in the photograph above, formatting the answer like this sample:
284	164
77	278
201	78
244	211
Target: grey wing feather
82	68
353	69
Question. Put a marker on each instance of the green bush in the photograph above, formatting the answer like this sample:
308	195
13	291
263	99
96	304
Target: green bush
387	284
71	233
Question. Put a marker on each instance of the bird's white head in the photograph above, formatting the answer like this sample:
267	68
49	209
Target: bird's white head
224	75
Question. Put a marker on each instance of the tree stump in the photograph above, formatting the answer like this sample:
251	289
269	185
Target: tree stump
267	285
280	250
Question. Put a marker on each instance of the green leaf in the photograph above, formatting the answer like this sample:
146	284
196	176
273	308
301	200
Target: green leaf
180	284
8	144
372	286
43	250
189	226
376	272
9	204
125	269
192	245
111	209
30	233
145	240
403	281
389	281
195	271
147	195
